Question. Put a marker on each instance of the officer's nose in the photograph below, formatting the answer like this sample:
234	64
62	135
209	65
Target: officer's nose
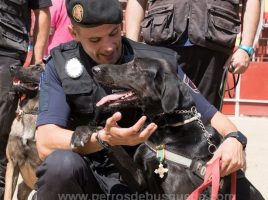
96	70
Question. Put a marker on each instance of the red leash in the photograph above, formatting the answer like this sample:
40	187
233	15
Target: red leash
212	178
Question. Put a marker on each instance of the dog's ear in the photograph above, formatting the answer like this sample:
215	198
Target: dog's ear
174	93
170	94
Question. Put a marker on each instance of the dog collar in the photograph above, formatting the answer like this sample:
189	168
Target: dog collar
196	165
20	112
196	117
176	158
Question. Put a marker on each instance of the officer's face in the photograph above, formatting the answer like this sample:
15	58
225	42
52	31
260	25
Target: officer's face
101	43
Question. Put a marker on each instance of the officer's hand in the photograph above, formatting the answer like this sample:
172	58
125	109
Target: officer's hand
115	135
232	156
239	62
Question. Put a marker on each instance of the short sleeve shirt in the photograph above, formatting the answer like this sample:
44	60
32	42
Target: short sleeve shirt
53	106
37	4
206	109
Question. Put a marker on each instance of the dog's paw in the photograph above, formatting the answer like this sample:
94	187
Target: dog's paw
81	135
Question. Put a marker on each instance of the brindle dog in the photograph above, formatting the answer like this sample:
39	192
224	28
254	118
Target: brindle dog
21	149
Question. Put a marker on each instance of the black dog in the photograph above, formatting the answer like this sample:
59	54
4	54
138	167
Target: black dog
21	150
153	86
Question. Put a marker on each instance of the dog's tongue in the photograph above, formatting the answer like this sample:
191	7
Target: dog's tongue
111	97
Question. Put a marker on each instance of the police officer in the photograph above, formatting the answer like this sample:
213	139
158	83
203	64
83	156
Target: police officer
15	21
68	98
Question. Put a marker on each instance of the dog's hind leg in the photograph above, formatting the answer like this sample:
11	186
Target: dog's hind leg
23	191
12	174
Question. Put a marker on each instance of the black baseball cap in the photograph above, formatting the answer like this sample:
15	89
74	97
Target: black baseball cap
90	13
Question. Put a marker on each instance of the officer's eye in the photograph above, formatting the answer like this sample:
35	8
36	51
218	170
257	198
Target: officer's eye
114	32
94	40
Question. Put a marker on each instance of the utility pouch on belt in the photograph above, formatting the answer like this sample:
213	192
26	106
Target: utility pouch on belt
158	25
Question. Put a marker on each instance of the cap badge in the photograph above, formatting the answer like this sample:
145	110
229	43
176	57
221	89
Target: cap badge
74	68
78	12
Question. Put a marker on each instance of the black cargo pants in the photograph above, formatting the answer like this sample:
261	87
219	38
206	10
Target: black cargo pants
205	68
65	175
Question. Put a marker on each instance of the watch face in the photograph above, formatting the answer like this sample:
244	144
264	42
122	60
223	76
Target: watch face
242	138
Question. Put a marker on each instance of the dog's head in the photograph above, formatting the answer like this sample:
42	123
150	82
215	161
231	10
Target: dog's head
146	82
26	79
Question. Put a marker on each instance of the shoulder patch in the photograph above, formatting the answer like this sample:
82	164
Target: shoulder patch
190	84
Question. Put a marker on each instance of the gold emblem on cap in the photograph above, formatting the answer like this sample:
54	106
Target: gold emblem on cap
78	12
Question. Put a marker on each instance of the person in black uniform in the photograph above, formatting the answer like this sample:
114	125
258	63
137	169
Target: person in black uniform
68	97
15	21
203	33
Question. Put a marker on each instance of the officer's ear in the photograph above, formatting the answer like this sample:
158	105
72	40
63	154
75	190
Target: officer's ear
73	31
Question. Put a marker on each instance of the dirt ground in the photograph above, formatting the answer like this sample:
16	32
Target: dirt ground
256	130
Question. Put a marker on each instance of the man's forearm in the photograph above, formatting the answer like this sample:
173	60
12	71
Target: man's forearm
250	21
41	32
222	124
135	12
51	137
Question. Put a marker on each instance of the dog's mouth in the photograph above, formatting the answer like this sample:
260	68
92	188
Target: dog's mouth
26	85
117	97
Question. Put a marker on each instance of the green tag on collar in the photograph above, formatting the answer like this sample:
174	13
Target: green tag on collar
160	153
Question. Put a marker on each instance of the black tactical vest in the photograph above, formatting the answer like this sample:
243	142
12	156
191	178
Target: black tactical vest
15	21
83	92
211	23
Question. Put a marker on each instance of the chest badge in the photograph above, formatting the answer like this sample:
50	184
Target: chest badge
74	68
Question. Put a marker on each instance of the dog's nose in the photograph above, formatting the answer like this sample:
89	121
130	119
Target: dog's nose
96	70
14	68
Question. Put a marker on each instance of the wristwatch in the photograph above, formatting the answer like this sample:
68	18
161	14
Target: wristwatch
102	143
248	49
239	136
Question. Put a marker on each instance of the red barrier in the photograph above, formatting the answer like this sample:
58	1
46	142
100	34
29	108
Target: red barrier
253	92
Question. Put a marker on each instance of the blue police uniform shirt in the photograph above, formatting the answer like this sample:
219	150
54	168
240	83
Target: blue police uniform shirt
54	109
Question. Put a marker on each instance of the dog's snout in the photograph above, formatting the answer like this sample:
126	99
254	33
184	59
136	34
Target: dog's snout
13	67
96	70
